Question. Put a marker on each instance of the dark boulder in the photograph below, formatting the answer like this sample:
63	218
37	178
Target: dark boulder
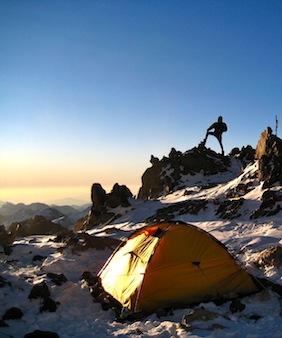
58	279
237	306
13	313
38	258
49	305
3	324
39	291
41	334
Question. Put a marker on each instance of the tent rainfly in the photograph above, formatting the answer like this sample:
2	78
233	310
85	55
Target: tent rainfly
172	265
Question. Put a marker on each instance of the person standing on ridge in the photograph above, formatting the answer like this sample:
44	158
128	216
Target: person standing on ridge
218	128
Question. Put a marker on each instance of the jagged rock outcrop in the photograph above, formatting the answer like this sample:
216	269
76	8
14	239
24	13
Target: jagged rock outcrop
98	196
118	196
246	154
164	175
269	156
103	203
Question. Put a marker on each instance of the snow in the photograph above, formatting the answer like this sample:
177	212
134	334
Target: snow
78	315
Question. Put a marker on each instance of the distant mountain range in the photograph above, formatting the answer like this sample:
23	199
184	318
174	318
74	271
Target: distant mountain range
64	215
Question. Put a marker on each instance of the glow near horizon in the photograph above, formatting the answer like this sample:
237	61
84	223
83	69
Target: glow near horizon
90	90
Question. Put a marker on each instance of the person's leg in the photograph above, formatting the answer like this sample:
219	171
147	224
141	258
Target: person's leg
221	146
206	137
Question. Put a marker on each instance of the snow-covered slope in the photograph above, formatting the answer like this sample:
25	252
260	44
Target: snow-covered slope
202	202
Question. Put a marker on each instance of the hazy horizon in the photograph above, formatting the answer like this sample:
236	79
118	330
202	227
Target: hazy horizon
52	195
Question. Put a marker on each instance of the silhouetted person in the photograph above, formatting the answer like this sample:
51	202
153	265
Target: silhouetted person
218	128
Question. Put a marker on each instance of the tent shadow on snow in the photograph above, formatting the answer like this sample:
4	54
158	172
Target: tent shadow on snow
171	264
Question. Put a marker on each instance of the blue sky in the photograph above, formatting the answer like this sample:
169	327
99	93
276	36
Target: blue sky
90	89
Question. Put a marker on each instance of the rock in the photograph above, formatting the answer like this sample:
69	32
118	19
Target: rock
240	190
100	243
48	305
98	196
255	317
174	154
163	312
229	209
186	207
13	313
7	237
118	196
90	279
39	291
268	144
4	282
269	156
38	258
83	241
7	250
164	175
246	154
152	182
197	315
94	283
109	302
236	306
41	334
269	205
101	210
270	257
200	315
235	152
58	279
3	324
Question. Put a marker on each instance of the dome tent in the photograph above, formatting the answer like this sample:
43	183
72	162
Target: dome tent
172	264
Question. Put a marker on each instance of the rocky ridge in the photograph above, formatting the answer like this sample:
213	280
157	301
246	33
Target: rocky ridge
173	173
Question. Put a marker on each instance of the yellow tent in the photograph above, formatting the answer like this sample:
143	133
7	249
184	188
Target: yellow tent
172	264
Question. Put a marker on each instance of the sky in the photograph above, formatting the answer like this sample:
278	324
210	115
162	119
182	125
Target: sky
89	90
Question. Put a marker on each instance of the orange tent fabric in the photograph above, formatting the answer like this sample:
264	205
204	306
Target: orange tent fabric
172	264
